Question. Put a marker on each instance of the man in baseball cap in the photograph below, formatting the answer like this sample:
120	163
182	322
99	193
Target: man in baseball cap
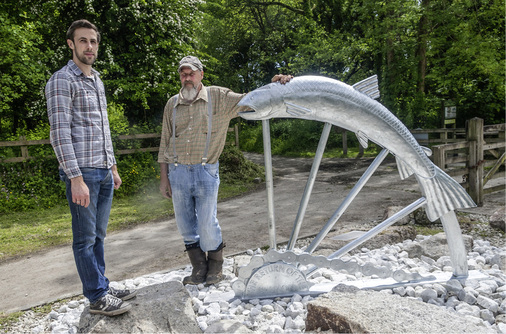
191	144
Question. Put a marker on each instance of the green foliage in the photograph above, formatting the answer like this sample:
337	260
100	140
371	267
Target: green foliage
35	183
291	137
30	185
22	76
424	52
137	171
234	168
142	41
118	122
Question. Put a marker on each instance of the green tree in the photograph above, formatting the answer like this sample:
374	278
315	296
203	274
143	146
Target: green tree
466	58
22	74
142	41
424	52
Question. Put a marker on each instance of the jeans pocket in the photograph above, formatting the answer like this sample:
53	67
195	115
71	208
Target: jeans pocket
212	170
63	176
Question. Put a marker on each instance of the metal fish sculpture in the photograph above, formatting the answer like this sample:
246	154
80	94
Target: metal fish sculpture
353	108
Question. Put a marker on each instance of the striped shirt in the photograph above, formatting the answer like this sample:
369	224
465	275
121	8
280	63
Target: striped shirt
191	126
79	127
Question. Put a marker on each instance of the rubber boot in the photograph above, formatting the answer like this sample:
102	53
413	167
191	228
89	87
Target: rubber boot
199	263
215	261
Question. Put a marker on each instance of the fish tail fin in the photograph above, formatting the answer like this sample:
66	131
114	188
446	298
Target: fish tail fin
443	194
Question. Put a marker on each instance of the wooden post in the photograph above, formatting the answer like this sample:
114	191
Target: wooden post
360	151
444	137
438	156
345	142
236	131
24	149
475	163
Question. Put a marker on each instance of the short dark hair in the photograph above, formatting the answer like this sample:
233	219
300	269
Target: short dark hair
81	24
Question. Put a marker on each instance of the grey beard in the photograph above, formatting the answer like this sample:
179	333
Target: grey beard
189	94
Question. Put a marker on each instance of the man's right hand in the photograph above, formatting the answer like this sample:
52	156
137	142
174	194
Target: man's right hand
80	191
165	188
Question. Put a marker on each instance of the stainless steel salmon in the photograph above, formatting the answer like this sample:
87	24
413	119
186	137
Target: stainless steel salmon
327	100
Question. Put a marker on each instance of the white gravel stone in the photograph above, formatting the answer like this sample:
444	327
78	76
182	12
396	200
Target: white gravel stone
428	294
487	303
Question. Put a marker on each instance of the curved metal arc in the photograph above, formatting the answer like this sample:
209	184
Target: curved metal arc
309	185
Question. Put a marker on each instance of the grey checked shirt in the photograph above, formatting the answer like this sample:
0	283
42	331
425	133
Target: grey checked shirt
77	111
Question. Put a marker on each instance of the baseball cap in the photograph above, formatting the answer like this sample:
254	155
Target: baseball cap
191	62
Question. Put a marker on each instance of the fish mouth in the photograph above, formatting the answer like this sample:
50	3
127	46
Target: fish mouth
248	114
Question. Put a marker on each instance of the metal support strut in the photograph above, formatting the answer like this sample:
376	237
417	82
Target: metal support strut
348	200
309	185
269	183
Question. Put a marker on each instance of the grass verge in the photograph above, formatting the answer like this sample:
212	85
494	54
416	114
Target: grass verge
24	233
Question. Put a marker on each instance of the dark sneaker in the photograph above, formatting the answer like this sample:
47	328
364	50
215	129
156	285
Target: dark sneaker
122	294
109	305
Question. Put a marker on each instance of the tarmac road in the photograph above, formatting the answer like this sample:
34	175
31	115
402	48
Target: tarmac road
157	247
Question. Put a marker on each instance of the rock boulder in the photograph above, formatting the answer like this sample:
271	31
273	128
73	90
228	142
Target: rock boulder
161	308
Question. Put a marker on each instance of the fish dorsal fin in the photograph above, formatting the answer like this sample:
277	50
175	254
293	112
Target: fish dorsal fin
296	110
427	150
368	87
362	139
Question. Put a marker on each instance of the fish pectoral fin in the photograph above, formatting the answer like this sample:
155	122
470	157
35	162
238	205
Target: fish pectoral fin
362	139
404	169
427	151
296	110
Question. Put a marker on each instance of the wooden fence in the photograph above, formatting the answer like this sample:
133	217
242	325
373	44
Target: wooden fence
475	152
25	155
476	158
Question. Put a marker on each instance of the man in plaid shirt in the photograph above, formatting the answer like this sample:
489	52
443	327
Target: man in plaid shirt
81	139
194	130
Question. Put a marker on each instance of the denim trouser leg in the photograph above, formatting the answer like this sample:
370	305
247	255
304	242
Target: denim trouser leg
89	227
195	197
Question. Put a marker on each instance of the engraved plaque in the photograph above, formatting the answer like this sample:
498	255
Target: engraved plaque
276	279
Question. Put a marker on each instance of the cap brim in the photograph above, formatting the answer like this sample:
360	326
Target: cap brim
193	67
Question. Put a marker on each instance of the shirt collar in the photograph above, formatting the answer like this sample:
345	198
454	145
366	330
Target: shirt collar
77	71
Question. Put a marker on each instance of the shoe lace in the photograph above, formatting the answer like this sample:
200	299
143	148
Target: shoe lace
113	301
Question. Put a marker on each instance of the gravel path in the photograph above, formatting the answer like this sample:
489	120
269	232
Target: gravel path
483	300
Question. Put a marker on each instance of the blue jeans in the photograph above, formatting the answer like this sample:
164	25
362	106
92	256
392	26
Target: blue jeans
195	198
89	226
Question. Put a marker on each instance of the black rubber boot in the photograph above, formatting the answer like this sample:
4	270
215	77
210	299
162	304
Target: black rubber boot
199	263
215	261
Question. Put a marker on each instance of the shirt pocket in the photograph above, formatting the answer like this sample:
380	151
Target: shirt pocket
87	105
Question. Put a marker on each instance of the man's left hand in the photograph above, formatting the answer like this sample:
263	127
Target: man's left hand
282	78
116	177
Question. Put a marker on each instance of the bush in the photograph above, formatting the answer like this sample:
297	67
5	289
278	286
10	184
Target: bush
137	171
290	137
235	168
35	184
30	185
